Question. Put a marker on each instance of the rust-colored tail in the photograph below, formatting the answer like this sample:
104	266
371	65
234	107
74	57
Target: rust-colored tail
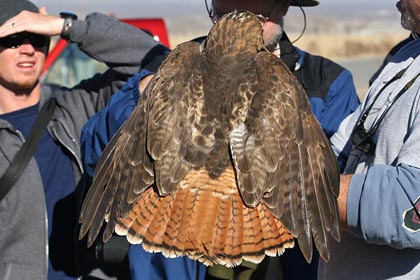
206	220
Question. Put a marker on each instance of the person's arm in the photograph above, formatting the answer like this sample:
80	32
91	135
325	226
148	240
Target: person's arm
342	201
100	128
121	46
124	48
380	203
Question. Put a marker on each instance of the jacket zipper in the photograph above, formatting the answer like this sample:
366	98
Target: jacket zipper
79	164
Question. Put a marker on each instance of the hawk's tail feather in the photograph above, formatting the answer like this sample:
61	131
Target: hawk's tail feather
210	224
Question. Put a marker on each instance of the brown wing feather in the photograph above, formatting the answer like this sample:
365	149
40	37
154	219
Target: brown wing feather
177	93
111	187
282	145
201	104
125	168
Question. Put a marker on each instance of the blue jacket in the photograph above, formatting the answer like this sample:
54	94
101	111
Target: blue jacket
332	96
329	86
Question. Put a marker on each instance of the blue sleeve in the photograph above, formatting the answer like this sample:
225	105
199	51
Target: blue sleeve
341	101
144	265
100	128
381	204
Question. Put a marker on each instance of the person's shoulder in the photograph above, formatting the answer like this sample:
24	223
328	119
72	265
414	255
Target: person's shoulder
50	90
323	69
411	49
323	62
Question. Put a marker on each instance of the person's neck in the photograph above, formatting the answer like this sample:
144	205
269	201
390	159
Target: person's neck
276	51
11	101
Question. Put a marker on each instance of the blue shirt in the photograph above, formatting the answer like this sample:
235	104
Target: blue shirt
56	172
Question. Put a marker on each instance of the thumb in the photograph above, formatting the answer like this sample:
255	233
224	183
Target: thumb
43	10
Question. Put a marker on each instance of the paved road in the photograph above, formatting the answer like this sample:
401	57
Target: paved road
362	69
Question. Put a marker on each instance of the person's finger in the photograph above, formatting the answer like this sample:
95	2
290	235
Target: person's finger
9	27
43	10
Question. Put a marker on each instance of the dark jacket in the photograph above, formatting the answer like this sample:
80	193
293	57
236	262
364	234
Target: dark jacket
329	86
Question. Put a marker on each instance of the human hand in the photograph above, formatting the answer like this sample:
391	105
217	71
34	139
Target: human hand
39	23
144	82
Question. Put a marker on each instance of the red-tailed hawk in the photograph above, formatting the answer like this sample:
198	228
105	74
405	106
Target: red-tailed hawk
222	159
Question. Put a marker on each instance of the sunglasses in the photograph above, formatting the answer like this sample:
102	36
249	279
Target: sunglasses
16	40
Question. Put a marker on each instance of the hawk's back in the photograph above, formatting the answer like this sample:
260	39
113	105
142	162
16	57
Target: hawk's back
222	159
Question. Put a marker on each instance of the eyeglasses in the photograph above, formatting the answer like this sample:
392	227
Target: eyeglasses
16	40
263	17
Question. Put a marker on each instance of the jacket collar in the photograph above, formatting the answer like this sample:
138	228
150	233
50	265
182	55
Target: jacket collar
288	53
46	94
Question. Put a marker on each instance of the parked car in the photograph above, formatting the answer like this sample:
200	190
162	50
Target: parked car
66	65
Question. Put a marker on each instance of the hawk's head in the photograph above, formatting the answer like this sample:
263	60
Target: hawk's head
236	33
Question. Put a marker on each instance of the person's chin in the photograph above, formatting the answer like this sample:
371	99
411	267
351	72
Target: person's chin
407	21
28	85
408	27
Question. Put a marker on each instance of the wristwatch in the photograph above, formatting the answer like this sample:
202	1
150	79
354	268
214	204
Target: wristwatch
68	22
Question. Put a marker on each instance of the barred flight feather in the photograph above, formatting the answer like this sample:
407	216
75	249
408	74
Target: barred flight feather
222	159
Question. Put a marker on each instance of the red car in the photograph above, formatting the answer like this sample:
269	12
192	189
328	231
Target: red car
66	65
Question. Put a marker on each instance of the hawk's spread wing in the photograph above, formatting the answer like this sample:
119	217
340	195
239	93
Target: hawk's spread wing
221	160
282	155
126	168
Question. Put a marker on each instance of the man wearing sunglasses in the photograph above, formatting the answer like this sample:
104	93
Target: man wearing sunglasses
332	95
378	147
39	213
